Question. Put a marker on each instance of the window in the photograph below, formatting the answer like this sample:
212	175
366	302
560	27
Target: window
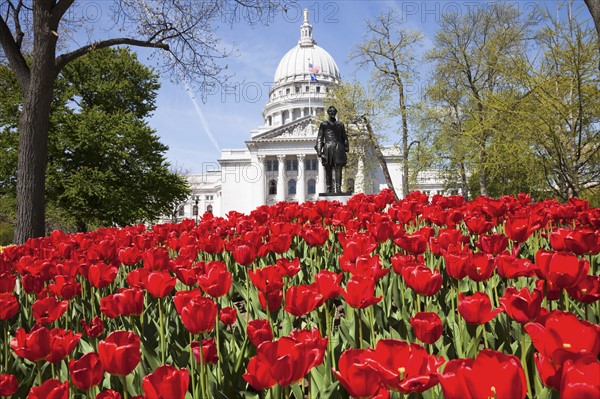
287	91
311	164
291	165
180	211
297	89
272	165
209	197
272	187
318	89
312	186
209	208
292	187
307	88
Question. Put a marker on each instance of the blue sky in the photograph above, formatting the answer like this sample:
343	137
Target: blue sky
196	126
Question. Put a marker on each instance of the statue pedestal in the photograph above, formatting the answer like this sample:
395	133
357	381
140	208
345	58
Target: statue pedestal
341	197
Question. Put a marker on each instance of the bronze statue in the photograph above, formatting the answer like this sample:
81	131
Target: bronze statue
332	146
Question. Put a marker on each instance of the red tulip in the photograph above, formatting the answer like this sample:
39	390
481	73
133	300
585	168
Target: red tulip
492	374
210	354
403	366
427	326
519	229
493	243
101	274
302	299
156	259
401	263
48	310
415	243
87	371
50	389
267	279
244	254
478	225
457	259
477	308
522	306
580	379
587	290
63	343
359	292
510	266
358	244
9	306
120	352
481	267
95	328
65	287
258	374
216	280
579	241
366	266
199	315
328	284
33	346
126	302
357	376
109	394
228	315
289	267
8	282
563	336
160	284
563	269
8	384
271	300
259	331
315	236
424	281
166	382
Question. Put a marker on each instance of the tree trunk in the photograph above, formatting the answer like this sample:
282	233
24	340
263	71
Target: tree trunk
464	181
405	189
33	128
380	158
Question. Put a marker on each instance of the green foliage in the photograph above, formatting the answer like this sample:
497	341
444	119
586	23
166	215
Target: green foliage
105	164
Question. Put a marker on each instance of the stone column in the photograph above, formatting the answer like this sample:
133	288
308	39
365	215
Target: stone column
321	178
301	181
359	181
281	178
262	185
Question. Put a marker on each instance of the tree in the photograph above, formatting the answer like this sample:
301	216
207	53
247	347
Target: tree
594	7
31	30
106	166
362	114
561	114
474	55
390	51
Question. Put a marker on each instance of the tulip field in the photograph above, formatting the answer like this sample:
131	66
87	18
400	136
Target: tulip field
376	298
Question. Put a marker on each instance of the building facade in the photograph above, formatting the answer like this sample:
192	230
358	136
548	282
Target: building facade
279	161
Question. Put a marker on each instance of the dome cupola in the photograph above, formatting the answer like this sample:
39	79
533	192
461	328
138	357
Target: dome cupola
302	79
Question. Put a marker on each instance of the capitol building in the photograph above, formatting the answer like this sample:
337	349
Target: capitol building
279	161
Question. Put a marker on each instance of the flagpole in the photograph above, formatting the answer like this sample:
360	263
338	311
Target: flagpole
309	95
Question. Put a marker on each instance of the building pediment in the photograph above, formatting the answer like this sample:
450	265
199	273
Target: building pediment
302	128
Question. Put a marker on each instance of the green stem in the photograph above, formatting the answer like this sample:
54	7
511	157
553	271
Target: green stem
38	365
360	333
485	342
124	383
5	342
161	330
217	336
372	321
524	362
192	366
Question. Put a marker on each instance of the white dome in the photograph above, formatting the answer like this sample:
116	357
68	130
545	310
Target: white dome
294	65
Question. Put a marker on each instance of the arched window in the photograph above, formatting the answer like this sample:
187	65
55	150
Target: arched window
272	187
209	208
285	117
312	186
292	187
